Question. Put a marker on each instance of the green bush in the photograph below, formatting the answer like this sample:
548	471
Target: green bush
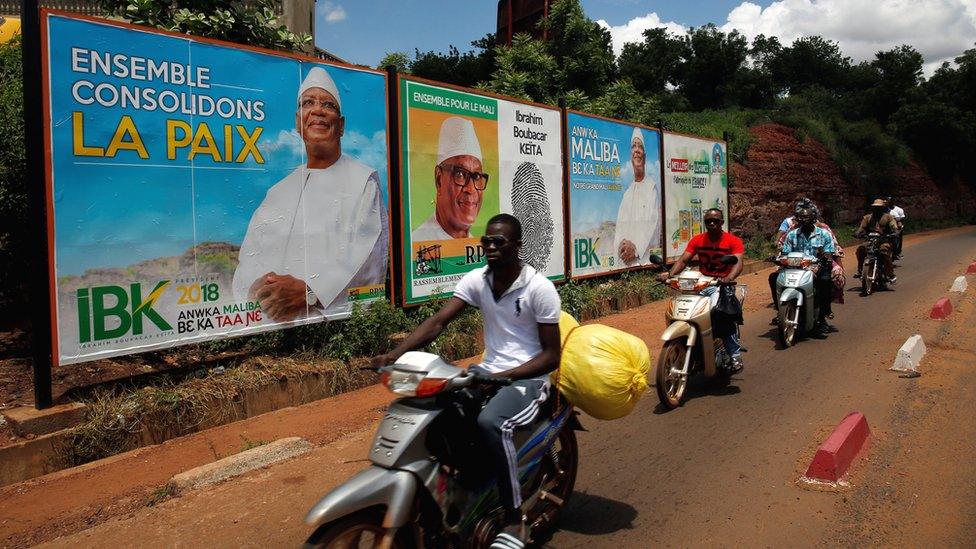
15	236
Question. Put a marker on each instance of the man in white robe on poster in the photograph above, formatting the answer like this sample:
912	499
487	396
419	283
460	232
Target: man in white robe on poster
323	229
638	227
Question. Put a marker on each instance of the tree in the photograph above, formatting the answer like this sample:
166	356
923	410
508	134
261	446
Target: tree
454	67
897	74
230	20
711	61
624	102
653	64
526	70
942	136
810	61
580	46
398	59
14	226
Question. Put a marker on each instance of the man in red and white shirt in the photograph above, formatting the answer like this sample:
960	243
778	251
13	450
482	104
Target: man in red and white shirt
710	247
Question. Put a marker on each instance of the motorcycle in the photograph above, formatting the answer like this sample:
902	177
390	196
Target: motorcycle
797	308
873	276
429	484
689	346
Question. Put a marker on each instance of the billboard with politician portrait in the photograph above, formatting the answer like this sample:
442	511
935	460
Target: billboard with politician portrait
465	157
614	194
199	189
695	180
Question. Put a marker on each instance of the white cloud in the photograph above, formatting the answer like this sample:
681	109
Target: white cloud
331	12
939	29
633	30
370	150
288	144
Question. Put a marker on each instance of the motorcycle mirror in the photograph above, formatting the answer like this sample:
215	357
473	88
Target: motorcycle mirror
655	259
729	260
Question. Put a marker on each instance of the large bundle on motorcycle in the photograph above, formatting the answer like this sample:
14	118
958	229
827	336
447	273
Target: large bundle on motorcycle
603	370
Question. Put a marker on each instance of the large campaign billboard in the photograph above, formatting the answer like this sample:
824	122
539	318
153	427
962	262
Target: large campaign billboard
614	194
199	189
695	179
466	156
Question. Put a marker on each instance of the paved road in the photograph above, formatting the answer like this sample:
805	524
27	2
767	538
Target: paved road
720	470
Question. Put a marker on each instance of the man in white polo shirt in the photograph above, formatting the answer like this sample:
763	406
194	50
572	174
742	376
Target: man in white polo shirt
521	309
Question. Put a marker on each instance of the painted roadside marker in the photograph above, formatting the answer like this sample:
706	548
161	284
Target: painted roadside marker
972	268
835	456
910	355
959	285
941	310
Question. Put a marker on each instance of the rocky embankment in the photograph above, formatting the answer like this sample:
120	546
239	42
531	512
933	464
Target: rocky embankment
778	168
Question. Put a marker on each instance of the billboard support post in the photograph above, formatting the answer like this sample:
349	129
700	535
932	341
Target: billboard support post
395	182
728	164
37	196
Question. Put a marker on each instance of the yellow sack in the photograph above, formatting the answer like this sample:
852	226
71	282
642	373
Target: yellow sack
603	370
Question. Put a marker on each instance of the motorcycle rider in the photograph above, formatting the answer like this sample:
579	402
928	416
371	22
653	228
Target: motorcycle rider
881	222
710	246
899	215
817	242
788	224
521	310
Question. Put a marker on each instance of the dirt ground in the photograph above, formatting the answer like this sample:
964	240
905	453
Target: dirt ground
719	471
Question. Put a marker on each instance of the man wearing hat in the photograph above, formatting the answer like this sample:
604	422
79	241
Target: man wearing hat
881	222
638	227
459	181
322	230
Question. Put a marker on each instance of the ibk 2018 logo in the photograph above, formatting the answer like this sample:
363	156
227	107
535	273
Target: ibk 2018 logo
128	308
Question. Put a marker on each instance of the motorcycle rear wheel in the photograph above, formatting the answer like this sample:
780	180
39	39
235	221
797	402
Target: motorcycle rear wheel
671	387
361	529
558	477
787	332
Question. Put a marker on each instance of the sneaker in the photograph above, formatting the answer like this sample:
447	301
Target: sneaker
514	536
737	365
893	280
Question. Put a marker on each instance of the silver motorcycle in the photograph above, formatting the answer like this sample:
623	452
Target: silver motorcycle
797	308
429	484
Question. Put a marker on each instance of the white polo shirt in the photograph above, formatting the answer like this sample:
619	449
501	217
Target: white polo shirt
897	213
511	322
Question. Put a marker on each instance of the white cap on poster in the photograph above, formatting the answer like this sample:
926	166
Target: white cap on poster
319	78
638	135
457	138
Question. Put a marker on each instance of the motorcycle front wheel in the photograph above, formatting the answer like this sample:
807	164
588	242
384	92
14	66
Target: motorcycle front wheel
867	278
787	331
671	386
363	529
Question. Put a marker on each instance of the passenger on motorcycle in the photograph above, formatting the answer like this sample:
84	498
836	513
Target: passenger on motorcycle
899	214
521	309
710	246
818	242
881	222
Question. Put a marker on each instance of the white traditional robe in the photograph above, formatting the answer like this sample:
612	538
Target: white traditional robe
327	227
639	220
430	230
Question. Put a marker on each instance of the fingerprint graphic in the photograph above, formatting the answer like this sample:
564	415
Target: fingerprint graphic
531	206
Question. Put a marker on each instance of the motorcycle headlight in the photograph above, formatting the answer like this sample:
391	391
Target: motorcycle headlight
687	284
412	384
794	261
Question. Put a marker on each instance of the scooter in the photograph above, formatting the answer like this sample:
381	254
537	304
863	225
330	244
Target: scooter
689	346
873	276
798	311
429	484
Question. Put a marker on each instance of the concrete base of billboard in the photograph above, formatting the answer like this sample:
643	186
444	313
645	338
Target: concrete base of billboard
45	453
27	420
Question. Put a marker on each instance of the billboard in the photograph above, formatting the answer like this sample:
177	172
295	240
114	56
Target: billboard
465	157
614	194
198	189
695	179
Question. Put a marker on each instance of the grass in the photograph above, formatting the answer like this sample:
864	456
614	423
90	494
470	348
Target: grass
161	494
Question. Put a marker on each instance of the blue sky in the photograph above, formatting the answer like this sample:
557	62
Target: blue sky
370	28
362	31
